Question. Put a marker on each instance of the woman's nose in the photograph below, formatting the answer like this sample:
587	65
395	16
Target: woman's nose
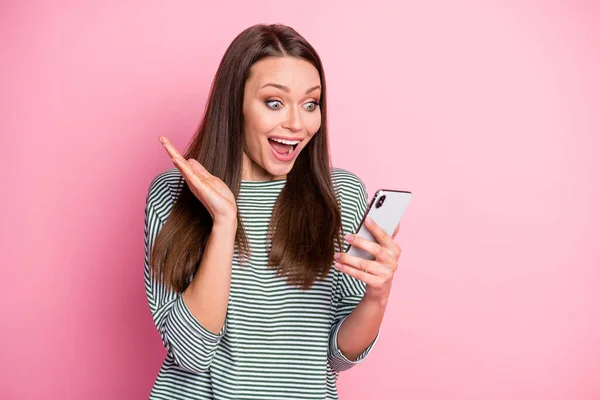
293	120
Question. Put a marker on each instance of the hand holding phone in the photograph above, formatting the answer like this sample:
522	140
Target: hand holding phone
386	209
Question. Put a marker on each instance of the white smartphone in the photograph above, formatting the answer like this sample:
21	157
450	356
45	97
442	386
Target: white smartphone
386	209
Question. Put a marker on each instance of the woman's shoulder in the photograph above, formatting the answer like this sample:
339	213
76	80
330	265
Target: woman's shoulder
347	181
349	187
164	188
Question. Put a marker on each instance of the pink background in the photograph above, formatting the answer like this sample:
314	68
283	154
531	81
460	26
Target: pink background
487	110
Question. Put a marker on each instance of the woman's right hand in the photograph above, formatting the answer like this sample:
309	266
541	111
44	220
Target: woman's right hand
210	190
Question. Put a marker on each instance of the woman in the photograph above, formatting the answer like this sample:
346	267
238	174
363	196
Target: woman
241	236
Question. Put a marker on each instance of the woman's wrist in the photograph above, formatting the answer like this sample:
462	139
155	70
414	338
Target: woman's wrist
225	228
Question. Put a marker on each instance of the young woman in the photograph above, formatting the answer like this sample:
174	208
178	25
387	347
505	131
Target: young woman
240	238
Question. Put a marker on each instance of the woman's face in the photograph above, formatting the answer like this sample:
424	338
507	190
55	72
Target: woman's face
281	102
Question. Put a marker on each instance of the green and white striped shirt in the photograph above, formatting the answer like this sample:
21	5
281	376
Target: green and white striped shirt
278	341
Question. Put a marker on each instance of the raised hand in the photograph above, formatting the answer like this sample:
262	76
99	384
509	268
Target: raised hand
210	190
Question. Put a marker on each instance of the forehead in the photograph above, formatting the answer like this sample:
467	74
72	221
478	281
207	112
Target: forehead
295	73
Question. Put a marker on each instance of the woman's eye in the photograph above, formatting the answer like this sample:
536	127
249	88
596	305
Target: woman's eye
273	104
313	105
276	105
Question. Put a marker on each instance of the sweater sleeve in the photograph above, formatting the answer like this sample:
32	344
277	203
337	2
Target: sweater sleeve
348	290
190	344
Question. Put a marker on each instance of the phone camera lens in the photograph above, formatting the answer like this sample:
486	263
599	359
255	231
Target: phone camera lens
380	201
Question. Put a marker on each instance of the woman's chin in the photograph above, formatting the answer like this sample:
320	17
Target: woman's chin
279	172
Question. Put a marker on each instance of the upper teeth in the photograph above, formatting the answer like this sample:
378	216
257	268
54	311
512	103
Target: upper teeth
291	142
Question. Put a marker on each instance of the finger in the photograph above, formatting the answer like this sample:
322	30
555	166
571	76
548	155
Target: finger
186	170
361	264
396	231
199	185
180	162
373	248
380	234
173	153
363	276
199	168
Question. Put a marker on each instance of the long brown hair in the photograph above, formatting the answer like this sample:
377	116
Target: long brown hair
301	247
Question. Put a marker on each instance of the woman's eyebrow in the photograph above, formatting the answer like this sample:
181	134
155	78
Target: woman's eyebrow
287	89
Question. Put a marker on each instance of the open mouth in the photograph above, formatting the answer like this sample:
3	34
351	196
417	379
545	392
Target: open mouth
283	147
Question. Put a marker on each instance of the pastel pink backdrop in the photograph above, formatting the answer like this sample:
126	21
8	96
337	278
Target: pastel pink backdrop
487	110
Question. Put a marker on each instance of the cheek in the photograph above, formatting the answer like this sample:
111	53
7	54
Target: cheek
260	121
313	123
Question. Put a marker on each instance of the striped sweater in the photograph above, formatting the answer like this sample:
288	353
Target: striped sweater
278	341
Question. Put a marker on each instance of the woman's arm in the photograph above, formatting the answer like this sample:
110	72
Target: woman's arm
350	341
361	328
208	293
187	325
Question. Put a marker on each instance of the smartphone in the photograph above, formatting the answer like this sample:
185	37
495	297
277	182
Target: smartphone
386	209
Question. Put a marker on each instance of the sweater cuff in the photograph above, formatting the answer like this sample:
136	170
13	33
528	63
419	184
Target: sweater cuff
183	321
338	360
